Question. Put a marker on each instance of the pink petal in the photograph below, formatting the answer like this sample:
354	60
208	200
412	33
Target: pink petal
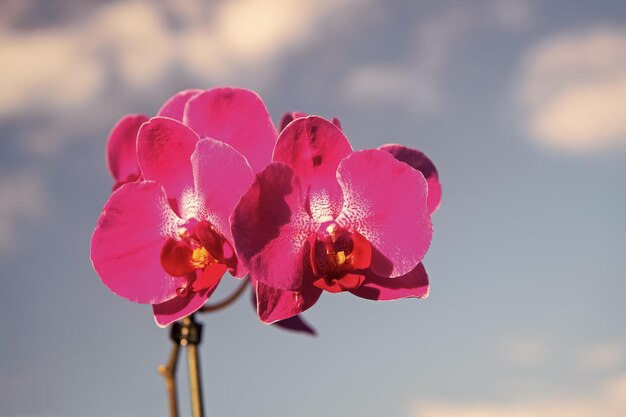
174	107
274	304
122	149
288	118
126	245
385	200
313	148
164	148
411	285
179	307
235	116
221	175
270	226
419	161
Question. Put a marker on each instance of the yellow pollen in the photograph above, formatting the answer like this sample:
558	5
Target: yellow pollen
340	257
200	257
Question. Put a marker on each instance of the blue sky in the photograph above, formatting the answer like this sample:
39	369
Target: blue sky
521	105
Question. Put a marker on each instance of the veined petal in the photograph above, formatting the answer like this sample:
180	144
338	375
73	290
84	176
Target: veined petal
313	147
179	307
411	285
423	164
164	148
270	226
126	245
221	175
174	107
235	116
121	154
274	305
385	201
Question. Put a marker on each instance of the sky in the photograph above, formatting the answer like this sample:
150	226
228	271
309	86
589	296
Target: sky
521	105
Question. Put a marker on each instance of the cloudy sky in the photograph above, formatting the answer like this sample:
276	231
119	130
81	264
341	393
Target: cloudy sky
521	104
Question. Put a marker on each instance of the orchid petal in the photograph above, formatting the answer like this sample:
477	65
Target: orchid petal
385	201
274	304
126	245
313	148
411	285
174	107
235	116
122	149
422	163
270	226
288	118
164	148
221	175
179	307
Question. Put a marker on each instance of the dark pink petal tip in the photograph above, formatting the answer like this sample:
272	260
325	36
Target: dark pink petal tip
164	148
236	116
422	163
288	118
168	312
388	207
127	242
411	285
121	156
174	107
270	227
275	305
293	324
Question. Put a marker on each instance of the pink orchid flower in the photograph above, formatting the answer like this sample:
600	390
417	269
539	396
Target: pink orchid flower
166	240
322	217
232	115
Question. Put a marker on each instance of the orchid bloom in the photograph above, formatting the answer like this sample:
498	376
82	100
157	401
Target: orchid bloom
164	237
233	115
324	218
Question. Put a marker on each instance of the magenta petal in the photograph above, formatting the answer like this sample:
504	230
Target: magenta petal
126	245
385	200
411	285
122	148
288	118
313	148
271	226
419	161
174	107
179	307
235	116
221	175
164	148
274	304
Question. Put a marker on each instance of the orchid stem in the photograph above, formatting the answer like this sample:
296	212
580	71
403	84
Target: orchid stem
227	301
191	333
168	372
187	333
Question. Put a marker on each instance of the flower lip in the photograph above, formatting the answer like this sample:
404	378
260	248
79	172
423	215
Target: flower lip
197	249
336	256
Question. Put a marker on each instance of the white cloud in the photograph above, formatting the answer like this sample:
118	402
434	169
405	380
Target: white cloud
417	79
574	89
601	356
609	401
527	352
54	69
22	199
